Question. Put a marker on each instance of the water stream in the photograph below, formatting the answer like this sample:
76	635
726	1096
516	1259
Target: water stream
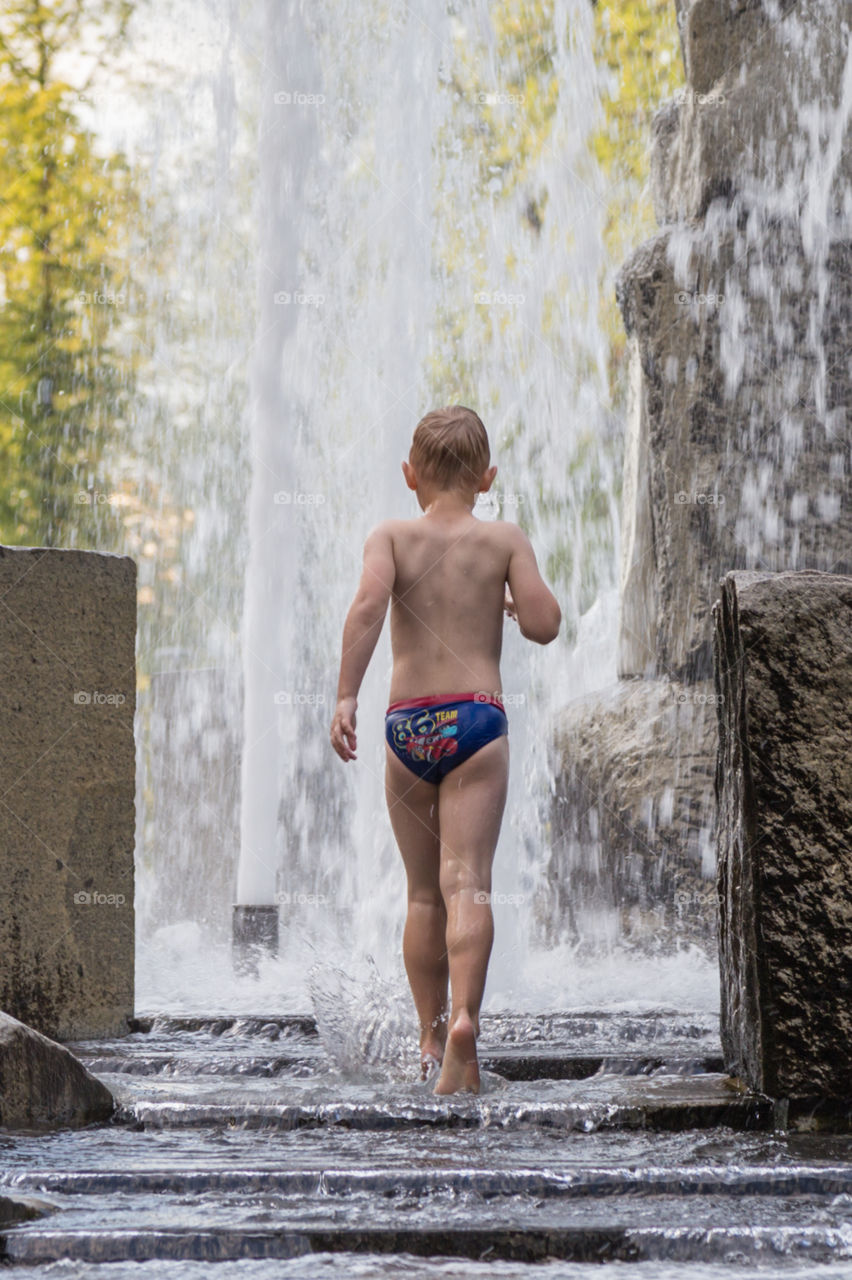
361	229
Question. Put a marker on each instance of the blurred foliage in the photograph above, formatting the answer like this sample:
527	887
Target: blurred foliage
637	49
65	210
71	224
637	41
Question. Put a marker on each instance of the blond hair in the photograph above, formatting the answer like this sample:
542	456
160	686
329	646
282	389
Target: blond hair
450	448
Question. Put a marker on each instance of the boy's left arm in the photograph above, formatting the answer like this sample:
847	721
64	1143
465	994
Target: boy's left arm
360	632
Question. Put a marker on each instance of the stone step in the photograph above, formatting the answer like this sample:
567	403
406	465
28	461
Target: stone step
603	1026
544	1064
217	1024
683	1180
511	1064
601	1242
670	1162
662	1103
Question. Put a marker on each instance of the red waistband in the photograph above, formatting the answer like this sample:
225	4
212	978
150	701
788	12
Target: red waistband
438	699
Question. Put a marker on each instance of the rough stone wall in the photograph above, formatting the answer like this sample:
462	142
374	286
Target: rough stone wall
784	787
740	312
737	451
631	812
745	467
67	701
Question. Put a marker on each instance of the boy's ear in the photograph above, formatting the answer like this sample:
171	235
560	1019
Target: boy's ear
487	479
410	477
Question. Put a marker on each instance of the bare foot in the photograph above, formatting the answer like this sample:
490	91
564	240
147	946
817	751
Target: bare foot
461	1068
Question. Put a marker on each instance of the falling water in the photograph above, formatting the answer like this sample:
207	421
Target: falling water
387	331
364	248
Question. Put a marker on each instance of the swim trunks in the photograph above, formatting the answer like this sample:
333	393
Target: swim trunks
433	735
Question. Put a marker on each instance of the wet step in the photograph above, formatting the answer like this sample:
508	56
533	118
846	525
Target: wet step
540	1183
662	1102
511	1064
592	1243
544	1064
595	1138
568	1071
588	1031
227	1213
548	1047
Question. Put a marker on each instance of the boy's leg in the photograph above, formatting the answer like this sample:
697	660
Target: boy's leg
413	809
471	802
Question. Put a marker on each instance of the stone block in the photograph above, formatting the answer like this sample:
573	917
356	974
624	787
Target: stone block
42	1084
67	700
744	422
633	813
762	116
783	663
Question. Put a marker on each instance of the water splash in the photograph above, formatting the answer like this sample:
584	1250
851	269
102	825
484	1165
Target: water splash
364	1022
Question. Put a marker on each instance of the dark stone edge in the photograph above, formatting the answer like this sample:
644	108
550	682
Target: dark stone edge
580	1244
513	1066
744	1114
588	1243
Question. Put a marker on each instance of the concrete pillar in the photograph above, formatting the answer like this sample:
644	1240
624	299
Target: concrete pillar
67	808
783	672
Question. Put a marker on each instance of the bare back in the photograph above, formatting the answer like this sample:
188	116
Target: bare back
447	605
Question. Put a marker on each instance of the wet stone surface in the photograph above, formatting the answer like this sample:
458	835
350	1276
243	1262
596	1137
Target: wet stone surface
240	1139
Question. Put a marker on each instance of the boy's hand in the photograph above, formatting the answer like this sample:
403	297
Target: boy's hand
509	605
343	729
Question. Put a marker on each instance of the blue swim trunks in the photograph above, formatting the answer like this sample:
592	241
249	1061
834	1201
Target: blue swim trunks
433	735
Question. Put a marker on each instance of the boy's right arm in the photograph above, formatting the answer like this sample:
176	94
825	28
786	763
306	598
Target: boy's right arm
360	632
535	606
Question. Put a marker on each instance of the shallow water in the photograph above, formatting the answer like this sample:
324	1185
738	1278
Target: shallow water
242	1136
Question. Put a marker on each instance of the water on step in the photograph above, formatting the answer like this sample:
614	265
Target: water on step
245	1138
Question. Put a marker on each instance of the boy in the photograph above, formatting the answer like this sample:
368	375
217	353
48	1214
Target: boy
449	577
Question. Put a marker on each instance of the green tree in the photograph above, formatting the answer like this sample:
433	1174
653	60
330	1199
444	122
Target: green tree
64	285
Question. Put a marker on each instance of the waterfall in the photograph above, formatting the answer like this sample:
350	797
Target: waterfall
393	256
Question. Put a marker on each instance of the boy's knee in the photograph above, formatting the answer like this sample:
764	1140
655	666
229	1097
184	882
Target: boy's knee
426	898
458	878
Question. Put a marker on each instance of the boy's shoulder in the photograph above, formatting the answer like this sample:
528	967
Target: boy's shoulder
386	529
506	532
510	533
495	528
